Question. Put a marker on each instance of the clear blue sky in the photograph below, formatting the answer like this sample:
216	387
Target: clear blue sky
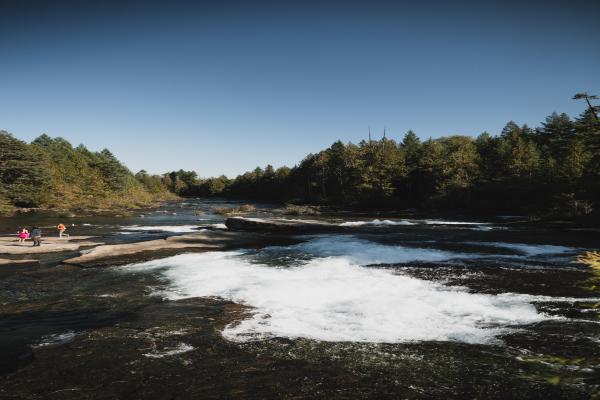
223	86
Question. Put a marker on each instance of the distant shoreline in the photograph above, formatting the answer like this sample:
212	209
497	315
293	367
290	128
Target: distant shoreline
291	211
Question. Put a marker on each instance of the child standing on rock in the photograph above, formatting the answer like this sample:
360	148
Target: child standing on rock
61	230
23	234
36	234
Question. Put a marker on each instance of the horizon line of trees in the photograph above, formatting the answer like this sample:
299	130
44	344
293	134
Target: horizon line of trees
553	168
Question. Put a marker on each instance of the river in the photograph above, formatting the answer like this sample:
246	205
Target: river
433	308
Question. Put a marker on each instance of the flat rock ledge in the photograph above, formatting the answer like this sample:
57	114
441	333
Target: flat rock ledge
119	254
11	246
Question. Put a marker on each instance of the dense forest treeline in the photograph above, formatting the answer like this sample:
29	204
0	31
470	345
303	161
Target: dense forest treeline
554	168
52	174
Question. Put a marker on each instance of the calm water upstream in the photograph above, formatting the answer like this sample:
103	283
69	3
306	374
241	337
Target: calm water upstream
404	307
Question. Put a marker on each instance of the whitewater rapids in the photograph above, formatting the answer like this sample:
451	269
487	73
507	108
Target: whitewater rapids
331	296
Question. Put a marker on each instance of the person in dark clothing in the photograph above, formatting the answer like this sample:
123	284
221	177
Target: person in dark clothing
36	235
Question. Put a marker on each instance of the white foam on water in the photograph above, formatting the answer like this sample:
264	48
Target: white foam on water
277	219
444	222
335	299
377	222
179	349
253	219
56	339
534	298
164	228
219	226
482	228
528	249
299	220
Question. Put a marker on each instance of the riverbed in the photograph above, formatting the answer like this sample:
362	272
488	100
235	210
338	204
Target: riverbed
392	306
